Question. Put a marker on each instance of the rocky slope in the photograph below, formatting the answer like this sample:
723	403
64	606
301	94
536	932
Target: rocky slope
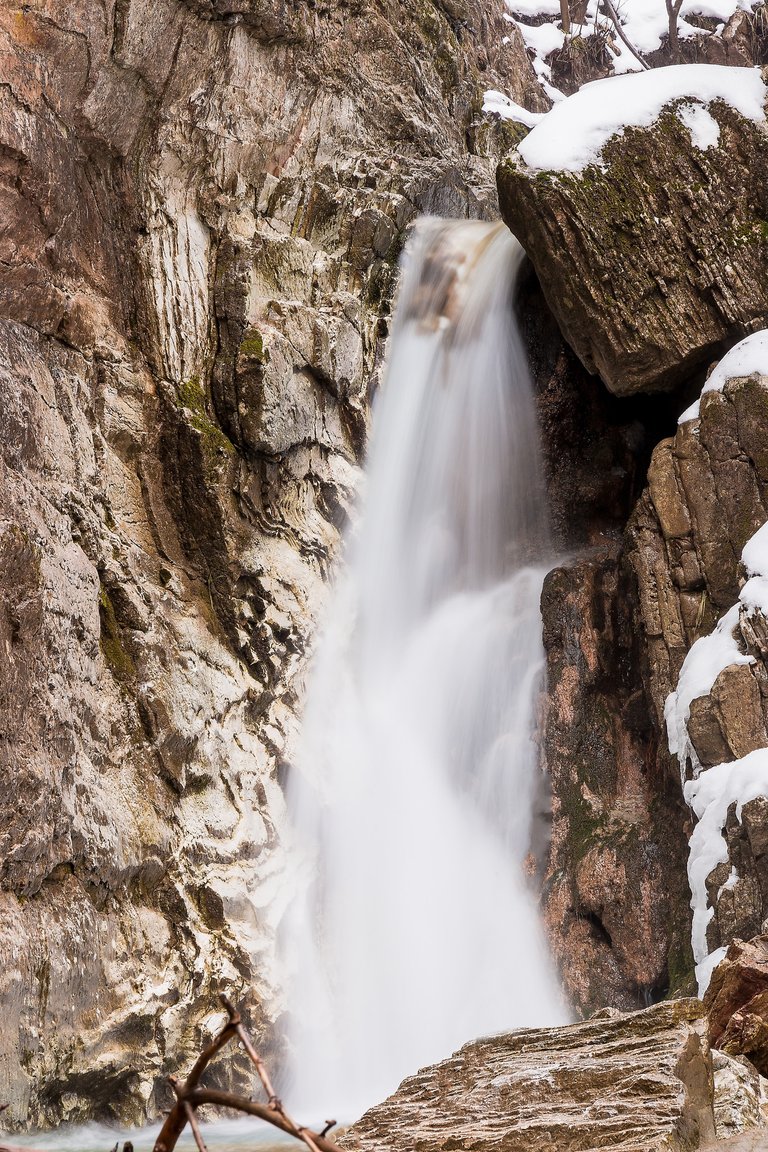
641	1083
202	207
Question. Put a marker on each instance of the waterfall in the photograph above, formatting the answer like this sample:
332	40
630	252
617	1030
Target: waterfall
413	803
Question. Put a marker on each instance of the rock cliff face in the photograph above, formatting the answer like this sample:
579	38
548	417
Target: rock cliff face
202	207
620	619
705	501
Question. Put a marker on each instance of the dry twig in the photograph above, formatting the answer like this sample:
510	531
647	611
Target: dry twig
189	1096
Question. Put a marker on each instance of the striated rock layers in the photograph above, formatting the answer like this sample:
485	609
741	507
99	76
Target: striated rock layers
654	259
202	206
641	1083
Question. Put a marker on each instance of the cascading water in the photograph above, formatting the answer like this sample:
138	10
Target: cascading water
414	804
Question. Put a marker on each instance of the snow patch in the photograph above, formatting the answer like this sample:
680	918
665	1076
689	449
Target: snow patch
534	8
645	23
705	661
574	133
497	102
704	129
710	796
754	555
746	358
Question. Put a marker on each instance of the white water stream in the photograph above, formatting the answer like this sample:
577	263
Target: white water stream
413	806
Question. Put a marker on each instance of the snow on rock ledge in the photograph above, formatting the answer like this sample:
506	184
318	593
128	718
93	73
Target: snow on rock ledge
641	203
574	133
698	545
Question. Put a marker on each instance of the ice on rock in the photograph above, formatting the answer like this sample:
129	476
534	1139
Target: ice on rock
705	661
710	796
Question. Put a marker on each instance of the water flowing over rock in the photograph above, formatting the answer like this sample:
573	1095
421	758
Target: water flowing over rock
202	209
417	805
641	1083
654	258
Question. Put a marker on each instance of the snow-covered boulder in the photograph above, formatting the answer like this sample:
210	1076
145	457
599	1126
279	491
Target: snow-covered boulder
642	201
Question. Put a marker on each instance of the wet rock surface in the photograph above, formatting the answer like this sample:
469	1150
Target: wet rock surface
640	1082
203	205
645	281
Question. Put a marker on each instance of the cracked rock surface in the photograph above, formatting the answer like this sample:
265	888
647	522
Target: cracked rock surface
641	1082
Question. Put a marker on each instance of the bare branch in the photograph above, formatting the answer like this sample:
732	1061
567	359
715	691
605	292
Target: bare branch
264	1112
190	1096
565	17
611	10
192	1119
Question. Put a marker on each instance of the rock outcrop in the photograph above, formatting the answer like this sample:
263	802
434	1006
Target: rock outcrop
615	893
648	285
706	498
737	1002
641	1082
647	282
202	207
615	890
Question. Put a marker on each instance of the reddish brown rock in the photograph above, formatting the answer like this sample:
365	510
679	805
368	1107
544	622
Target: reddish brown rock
615	890
737	1002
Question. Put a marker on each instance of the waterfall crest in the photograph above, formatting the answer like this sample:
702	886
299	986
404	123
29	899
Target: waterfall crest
414	800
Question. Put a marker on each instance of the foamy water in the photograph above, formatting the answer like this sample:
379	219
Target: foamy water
415	797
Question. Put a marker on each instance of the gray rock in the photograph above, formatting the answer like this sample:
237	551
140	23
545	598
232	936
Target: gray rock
201	223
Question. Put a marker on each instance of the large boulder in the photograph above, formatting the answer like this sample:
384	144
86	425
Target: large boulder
641	1082
651	248
737	1002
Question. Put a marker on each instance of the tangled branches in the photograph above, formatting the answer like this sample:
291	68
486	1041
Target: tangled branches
189	1096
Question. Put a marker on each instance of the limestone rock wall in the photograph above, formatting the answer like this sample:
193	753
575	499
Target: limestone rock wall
202	205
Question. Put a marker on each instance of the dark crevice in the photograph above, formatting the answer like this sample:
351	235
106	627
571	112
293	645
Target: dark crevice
597	447
598	929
